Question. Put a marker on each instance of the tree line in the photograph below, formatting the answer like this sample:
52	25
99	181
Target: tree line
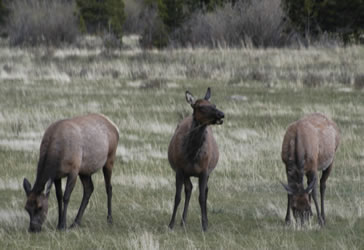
162	23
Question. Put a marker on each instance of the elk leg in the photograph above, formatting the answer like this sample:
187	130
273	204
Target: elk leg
107	170
202	182
59	195
325	175
288	214
88	188
71	181
314	197
177	198
188	191
207	187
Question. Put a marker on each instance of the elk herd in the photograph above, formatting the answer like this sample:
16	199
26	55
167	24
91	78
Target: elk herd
82	145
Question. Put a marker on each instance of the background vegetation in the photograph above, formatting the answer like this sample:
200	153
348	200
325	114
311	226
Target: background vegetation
184	23
261	91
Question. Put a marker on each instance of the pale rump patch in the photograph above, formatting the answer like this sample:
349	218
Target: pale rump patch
112	123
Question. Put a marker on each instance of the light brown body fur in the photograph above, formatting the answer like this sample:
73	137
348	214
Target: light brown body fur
309	146
79	146
209	154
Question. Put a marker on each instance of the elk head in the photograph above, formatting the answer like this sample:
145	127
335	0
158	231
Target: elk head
204	112
36	205
300	200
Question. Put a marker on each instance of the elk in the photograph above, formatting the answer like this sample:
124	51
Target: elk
79	146
193	152
309	146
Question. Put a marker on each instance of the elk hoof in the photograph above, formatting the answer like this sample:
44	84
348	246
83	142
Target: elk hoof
75	224
321	222
204	226
288	222
171	225
109	219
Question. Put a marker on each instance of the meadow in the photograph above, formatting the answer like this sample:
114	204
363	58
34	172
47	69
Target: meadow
261	91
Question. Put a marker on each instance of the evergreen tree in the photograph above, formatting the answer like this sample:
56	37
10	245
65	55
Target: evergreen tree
175	13
337	16
4	12
100	15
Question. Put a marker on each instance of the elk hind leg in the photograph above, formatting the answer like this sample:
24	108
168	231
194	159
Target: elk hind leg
107	170
325	175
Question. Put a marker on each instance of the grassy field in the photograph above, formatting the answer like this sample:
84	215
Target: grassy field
260	91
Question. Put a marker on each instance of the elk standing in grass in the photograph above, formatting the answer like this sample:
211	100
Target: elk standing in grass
309	146
73	147
193	152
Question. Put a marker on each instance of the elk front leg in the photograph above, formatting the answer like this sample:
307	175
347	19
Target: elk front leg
202	182
177	198
88	188
188	191
288	214
312	177
59	195
71	181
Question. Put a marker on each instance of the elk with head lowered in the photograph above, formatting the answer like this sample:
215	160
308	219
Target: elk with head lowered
309	146
72	147
193	152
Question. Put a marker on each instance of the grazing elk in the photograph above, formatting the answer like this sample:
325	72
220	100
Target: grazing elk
309	146
193	152
73	147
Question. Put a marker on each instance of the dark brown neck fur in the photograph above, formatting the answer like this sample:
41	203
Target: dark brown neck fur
43	175
194	141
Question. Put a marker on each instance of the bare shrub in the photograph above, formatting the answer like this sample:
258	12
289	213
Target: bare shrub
247	23
134	23
261	21
42	22
359	81
154	31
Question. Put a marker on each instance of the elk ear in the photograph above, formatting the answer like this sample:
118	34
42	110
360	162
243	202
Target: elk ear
27	186
189	98
288	188
208	94
311	186
48	187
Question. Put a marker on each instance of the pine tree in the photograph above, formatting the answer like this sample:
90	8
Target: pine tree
335	16
4	12
100	15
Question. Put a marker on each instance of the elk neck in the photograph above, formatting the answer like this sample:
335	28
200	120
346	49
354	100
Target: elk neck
194	141
43	175
295	175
